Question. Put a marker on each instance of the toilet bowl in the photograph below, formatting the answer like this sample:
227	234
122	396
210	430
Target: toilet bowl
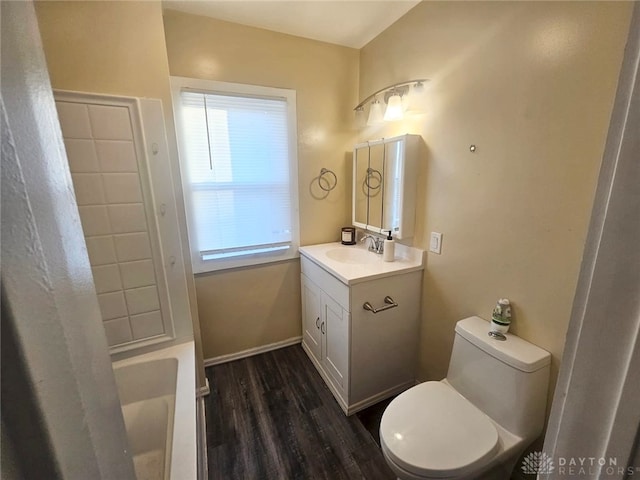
477	421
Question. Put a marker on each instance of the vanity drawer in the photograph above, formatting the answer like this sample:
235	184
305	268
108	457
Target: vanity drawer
327	282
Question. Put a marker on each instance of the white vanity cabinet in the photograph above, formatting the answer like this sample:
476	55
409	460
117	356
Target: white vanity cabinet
362	356
325	335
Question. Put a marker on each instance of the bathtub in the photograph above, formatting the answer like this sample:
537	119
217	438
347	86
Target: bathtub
158	396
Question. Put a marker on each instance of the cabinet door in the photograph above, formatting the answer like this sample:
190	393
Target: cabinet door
335	329
311	317
384	345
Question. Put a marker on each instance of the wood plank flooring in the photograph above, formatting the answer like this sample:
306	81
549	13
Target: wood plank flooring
271	417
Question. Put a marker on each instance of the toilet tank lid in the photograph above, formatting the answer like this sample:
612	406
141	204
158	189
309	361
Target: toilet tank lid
515	351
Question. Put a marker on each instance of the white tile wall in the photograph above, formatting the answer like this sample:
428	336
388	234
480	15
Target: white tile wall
116	156
95	220
112	305
146	325
128	218
107	278
132	246
82	155
101	250
118	331
74	120
104	168
142	300
110	123
88	188
137	274
122	187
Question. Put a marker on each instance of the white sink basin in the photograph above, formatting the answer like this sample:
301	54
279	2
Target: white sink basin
352	255
354	264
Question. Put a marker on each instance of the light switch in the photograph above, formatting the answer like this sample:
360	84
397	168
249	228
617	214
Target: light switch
436	243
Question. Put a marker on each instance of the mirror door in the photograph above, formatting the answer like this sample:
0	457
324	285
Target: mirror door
375	186
384	185
392	194
360	189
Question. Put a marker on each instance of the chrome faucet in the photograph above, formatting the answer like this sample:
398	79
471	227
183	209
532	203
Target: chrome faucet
376	245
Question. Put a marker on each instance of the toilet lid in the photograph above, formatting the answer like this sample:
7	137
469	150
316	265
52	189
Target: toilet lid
432	430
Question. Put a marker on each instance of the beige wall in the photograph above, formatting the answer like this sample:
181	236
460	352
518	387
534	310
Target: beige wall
532	85
116	48
109	47
247	308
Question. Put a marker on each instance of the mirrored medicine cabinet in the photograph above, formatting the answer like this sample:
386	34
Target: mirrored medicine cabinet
384	185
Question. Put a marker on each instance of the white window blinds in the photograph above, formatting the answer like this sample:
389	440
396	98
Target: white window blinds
237	164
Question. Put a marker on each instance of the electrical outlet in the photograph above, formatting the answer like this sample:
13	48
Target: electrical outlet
435	245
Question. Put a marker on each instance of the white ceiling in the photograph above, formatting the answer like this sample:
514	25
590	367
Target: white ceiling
352	23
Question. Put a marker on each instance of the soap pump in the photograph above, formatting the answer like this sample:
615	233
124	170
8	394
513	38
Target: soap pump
389	252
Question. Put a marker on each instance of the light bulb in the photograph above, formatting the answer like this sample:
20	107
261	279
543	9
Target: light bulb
375	113
361	119
415	99
394	108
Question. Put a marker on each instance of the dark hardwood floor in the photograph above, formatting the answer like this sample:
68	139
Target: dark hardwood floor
372	416
271	417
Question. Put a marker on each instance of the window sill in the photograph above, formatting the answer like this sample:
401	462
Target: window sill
213	266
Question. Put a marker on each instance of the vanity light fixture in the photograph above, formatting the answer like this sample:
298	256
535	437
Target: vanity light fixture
398	98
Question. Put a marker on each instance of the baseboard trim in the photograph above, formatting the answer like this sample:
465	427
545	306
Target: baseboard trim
203	391
390	392
208	362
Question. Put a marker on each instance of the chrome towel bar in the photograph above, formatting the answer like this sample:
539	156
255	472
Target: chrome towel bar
389	303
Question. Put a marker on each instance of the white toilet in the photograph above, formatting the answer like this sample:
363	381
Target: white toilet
475	423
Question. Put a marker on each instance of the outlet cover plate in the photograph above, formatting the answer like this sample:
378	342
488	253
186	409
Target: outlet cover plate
435	245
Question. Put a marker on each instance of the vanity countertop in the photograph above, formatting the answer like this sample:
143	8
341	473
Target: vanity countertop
353	264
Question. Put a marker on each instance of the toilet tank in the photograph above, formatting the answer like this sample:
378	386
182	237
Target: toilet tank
507	380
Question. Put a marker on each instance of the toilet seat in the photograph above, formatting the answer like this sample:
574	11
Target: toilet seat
431	430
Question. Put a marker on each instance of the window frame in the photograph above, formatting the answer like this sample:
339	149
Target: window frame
179	84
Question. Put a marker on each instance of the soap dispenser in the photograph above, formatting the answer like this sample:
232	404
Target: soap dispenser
389	252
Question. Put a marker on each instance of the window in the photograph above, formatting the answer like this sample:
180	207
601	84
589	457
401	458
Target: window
239	166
